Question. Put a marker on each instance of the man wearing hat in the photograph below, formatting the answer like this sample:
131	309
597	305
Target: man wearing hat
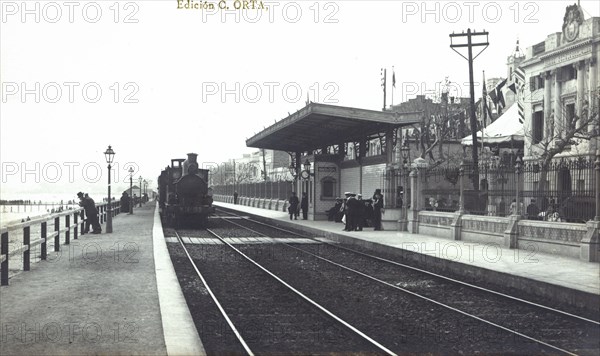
533	211
89	206
351	211
359	213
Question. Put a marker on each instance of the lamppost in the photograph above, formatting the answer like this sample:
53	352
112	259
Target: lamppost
306	174
130	190
293	170
294	173
109	154
518	173
597	169
140	198
145	189
405	168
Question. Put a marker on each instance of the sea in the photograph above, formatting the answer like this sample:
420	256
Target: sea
41	205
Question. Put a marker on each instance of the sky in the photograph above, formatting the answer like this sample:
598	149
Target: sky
159	79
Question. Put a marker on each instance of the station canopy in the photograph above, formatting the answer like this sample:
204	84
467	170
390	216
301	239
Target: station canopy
320	125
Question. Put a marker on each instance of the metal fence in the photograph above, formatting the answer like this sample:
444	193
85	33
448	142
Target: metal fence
561	191
281	190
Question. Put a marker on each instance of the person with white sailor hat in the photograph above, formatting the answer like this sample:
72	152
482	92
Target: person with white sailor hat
351	208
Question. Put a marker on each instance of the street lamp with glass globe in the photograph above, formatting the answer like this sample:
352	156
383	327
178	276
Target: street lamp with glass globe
109	154
130	190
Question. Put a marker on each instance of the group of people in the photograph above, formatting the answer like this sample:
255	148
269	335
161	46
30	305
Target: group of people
295	205
353	211
548	211
359	213
91	213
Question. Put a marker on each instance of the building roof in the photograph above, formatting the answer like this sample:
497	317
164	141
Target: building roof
505	129
319	125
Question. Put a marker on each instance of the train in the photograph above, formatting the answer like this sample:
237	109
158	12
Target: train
185	197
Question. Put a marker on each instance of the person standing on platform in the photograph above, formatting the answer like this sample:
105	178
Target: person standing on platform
377	210
351	210
293	208
304	206
235	198
533	211
91	213
359	215
125	202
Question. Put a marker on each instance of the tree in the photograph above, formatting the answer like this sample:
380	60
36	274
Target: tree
573	133
441	123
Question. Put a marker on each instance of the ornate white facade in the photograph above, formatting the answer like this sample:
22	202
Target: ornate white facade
561	86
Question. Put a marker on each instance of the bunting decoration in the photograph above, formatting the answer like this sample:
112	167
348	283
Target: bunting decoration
498	97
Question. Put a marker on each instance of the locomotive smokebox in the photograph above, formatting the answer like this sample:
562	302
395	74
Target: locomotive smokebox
190	166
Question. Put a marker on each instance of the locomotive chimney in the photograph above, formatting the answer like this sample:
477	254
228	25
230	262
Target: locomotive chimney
190	166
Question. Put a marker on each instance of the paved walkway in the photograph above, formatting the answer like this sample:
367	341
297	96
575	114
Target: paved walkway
100	295
526	266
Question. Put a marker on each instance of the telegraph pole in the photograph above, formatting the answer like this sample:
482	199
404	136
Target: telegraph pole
469	35
384	85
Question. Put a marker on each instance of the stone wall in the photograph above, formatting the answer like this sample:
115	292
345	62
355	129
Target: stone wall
563	239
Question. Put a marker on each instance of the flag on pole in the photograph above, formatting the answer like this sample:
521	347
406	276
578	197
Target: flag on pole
521	112
519	76
484	109
497	96
520	83
394	79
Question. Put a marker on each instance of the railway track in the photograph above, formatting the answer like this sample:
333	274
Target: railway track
260	313
503	317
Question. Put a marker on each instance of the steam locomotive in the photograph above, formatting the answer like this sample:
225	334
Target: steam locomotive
184	195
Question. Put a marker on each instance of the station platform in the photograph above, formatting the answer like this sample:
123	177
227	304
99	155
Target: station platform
559	279
106	294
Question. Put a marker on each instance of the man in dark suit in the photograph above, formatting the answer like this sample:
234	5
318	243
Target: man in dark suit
304	206
91	213
377	207
293	208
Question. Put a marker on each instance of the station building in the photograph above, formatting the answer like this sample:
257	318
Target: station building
560	86
337	149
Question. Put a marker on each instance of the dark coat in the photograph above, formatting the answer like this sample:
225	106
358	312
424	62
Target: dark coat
304	203
293	204
89	205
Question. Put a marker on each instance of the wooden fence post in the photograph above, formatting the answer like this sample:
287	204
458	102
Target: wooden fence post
27	253
4	253
82	222
44	234
68	229
75	225
57	231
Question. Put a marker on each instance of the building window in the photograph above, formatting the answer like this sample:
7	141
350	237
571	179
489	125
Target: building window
570	116
532	84
328	188
538	126
568	72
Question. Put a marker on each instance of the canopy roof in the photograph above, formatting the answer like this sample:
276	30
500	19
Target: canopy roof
320	125
505	129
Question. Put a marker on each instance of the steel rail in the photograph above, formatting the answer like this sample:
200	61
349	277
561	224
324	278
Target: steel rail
418	295
305	298
214	298
434	274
